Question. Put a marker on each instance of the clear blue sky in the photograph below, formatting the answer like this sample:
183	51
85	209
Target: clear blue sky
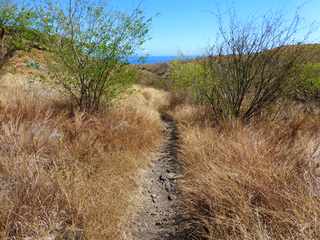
187	26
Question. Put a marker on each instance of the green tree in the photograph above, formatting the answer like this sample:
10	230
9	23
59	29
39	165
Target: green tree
16	28
90	46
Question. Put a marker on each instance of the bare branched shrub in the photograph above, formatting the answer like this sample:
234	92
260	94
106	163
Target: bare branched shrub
251	66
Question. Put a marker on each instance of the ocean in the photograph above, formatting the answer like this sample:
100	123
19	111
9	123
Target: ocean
156	59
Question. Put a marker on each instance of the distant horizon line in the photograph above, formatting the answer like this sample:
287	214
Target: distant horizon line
168	55
150	59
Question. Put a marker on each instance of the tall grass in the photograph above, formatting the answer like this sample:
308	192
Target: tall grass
68	175
252	182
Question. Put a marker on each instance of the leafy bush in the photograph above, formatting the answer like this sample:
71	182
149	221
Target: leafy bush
187	78
307	86
90	46
16	28
120	81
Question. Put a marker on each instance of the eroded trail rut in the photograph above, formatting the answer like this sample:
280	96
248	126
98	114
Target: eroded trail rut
158	214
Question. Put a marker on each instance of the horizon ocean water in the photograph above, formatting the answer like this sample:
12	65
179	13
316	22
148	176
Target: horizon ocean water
156	59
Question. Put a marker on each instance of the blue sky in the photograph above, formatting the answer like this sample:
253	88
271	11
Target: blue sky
188	26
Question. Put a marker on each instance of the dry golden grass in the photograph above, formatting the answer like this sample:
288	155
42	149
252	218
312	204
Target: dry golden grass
70	175
65	174
252	182
147	100
18	64
191	115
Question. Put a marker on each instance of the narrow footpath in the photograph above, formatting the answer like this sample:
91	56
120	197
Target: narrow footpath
157	218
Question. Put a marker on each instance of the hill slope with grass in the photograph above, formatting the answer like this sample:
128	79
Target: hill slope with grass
92	148
65	173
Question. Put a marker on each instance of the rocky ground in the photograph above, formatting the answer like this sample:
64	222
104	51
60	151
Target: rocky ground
157	217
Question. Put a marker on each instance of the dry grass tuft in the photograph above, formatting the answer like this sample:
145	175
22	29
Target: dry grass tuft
146	100
253	182
192	115
69	175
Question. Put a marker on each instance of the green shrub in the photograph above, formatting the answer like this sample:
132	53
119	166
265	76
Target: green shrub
120	81
187	78
90	46
307	86
16	29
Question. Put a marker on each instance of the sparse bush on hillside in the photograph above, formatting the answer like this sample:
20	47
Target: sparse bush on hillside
15	29
248	70
307	86
186	78
89	47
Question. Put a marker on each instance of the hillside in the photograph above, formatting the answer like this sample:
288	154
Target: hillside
150	73
149	166
69	174
220	147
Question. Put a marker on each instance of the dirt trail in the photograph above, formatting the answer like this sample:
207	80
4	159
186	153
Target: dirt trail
157	217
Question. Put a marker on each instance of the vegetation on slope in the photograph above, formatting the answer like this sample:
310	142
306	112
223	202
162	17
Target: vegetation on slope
250	149
257	181
70	173
65	173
